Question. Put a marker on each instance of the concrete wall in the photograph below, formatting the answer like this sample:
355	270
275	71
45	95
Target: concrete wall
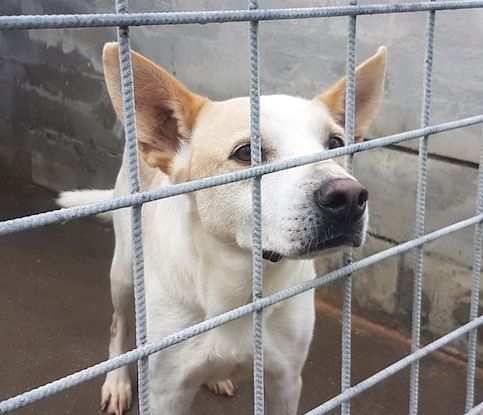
58	128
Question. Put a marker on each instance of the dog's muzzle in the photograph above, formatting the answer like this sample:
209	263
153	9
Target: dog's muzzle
341	204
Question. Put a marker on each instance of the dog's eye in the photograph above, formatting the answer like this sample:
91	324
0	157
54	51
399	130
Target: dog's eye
242	154
335	141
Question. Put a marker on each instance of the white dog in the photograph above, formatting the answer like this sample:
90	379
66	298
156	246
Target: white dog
197	246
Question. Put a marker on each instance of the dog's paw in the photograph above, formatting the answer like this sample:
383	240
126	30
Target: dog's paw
224	387
116	394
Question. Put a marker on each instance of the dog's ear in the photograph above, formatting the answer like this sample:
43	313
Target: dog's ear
368	96
165	109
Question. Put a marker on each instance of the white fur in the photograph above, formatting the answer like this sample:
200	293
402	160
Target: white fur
81	197
198	263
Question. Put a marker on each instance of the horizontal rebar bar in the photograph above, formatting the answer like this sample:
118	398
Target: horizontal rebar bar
396	367
477	410
136	199
68	214
222	16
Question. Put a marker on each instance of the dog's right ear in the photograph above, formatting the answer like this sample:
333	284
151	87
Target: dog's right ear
166	110
368	94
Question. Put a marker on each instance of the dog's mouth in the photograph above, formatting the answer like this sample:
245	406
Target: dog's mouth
315	247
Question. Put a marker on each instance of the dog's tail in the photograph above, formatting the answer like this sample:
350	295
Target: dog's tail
81	197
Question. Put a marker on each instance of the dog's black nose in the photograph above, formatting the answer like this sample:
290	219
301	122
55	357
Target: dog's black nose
342	199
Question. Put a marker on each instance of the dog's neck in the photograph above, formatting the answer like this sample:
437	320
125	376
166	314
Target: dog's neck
218	273
224	271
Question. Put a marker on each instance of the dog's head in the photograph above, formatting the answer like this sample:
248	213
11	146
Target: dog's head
305	210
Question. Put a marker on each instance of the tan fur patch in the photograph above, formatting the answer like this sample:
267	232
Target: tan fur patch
369	93
166	110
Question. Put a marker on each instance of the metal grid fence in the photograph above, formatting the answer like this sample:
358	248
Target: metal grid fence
123	19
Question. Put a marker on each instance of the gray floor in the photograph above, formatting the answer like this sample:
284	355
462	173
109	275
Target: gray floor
55	311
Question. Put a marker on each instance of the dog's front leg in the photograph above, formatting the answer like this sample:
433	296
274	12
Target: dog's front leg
167	401
172	388
283	393
116	394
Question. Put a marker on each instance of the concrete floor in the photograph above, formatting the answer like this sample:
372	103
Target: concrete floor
55	311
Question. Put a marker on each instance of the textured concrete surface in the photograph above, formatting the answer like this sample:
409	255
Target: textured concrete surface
58	128
55	311
451	196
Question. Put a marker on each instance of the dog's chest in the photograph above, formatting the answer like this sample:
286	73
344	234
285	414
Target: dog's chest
227	352
181	293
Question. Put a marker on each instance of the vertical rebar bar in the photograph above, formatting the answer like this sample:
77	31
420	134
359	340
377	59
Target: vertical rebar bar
257	254
349	136
127	88
475	292
129	121
421	214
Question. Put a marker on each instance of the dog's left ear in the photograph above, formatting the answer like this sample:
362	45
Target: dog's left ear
369	93
166	110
